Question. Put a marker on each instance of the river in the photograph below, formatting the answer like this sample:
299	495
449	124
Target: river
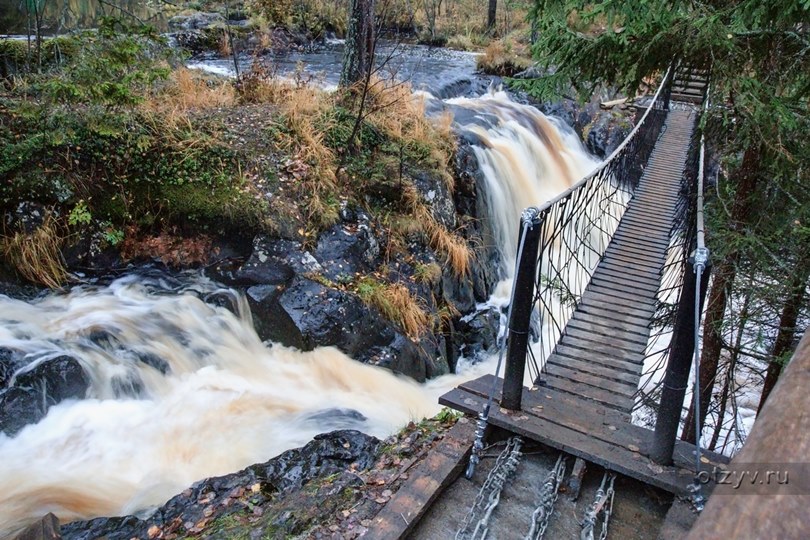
220	399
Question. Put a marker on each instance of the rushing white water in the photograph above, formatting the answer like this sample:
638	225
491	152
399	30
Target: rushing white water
527	158
227	400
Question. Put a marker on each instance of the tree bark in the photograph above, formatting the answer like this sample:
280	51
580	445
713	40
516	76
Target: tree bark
491	12
358	58
787	325
724	275
732	367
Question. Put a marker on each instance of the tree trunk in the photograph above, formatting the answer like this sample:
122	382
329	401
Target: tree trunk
724	275
732	367
787	325
493	8
358	59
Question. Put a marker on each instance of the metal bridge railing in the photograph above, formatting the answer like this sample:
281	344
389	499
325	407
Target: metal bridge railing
561	244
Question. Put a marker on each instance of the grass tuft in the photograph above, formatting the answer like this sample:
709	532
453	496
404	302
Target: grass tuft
37	256
397	304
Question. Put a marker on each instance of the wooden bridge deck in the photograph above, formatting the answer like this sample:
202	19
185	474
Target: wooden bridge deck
601	353
583	406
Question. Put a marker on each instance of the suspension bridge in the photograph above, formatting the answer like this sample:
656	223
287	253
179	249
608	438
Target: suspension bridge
603	317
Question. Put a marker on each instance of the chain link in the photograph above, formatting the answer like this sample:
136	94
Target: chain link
548	496
489	496
602	505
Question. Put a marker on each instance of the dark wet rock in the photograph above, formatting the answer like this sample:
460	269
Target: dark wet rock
265	485
479	332
91	251
46	528
34	391
154	361
437	196
195	21
10	361
308	314
272	262
27	217
606	132
473	210
347	249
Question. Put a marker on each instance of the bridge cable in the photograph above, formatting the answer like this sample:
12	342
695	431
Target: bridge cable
483	416
701	260
548	496
602	505
476	522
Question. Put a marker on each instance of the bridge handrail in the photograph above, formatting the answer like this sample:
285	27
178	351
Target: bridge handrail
563	240
607	161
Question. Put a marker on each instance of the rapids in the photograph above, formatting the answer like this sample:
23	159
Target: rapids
219	399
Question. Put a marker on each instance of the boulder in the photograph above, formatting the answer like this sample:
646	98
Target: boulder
195	21
478	332
346	249
206	501
606	133
10	362
434	192
34	391
308	314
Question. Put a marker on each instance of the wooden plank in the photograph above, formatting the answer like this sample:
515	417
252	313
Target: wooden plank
596	347
632	337
633	296
610	456
657	222
570	373
608	399
628	276
598	421
640	237
618	259
617	266
594	369
440	468
585	355
634	327
609	340
621	240
612	312
635	293
604	303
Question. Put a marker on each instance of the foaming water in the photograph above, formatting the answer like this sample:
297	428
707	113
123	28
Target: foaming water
527	158
183	389
224	402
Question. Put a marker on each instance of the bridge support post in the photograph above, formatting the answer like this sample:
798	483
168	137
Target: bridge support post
676	379
520	311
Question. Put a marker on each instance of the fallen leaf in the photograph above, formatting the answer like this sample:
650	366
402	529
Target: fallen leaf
633	447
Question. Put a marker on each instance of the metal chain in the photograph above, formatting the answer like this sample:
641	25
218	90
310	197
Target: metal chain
548	496
489	496
602	505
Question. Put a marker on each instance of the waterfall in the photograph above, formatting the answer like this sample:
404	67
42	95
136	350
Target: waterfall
526	157
183	389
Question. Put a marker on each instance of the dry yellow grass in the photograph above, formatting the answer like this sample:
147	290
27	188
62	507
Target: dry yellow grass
302	108
37	256
453	247
188	90
397	304
398	112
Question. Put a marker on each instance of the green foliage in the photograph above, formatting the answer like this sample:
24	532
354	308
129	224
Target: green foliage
74	135
80	215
